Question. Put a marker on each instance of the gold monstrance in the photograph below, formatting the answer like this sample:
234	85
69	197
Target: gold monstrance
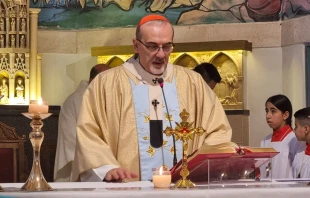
184	131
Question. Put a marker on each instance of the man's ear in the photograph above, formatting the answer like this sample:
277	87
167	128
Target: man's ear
135	44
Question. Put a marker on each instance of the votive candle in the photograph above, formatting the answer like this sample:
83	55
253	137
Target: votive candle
161	179
38	106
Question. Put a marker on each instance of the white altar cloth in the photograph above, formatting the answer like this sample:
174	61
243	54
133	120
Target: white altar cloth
274	189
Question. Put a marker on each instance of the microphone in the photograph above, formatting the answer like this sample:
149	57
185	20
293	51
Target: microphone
161	84
156	127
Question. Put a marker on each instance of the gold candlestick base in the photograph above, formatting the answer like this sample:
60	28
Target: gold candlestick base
184	183
36	180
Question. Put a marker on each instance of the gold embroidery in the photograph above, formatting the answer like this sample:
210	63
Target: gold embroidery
165	142
172	150
168	117
145	137
147	118
151	151
145	115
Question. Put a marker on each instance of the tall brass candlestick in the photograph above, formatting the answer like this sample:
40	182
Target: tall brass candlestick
184	131
36	180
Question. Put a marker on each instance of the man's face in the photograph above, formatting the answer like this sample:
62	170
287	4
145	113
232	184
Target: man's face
154	60
212	84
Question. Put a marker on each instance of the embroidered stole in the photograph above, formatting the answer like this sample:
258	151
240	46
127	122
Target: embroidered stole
152	158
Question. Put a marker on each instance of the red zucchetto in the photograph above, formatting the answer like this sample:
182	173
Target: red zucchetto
152	17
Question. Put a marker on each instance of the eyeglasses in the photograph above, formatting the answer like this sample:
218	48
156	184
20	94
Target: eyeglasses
167	48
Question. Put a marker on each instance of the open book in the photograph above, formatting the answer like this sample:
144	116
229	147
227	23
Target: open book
223	161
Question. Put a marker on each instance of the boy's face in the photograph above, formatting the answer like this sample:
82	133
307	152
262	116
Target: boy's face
300	130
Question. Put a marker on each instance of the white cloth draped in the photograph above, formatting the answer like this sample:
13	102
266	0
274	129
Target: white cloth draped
66	140
281	164
301	165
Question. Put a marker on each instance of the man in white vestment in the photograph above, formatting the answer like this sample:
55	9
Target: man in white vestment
66	140
125	110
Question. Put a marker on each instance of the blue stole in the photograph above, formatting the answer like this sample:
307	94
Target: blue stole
152	158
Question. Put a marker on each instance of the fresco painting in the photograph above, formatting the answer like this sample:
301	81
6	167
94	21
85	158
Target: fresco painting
91	14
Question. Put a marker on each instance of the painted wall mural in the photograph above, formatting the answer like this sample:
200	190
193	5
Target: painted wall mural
89	14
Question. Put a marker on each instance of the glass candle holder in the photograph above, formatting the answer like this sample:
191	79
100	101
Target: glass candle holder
161	179
36	180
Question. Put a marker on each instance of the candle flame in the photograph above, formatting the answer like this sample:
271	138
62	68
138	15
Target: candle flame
40	101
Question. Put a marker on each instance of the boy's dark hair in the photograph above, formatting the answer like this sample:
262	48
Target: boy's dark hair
208	72
303	115
283	104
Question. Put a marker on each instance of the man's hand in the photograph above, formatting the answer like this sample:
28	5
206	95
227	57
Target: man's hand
119	174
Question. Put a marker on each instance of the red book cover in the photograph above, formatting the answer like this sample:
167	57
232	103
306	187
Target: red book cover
223	161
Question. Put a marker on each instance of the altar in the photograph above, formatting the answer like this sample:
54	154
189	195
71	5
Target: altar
244	188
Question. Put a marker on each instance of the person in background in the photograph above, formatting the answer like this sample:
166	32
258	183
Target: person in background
301	163
279	117
120	128
68	116
209	73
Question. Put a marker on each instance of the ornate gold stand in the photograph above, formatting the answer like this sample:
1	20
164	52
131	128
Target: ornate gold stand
184	131
36	180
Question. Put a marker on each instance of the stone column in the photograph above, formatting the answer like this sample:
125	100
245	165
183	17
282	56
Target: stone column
33	52
27	91
39	75
12	80
11	85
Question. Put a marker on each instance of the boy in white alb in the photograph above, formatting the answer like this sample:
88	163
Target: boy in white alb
279	118
301	163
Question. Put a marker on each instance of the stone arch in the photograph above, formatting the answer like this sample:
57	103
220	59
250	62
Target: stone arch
229	90
186	60
3	3
4	87
115	61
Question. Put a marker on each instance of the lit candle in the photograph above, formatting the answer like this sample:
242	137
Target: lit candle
161	179
38	106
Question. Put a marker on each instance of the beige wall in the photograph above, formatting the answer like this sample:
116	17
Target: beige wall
61	74
276	64
294	75
263	79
